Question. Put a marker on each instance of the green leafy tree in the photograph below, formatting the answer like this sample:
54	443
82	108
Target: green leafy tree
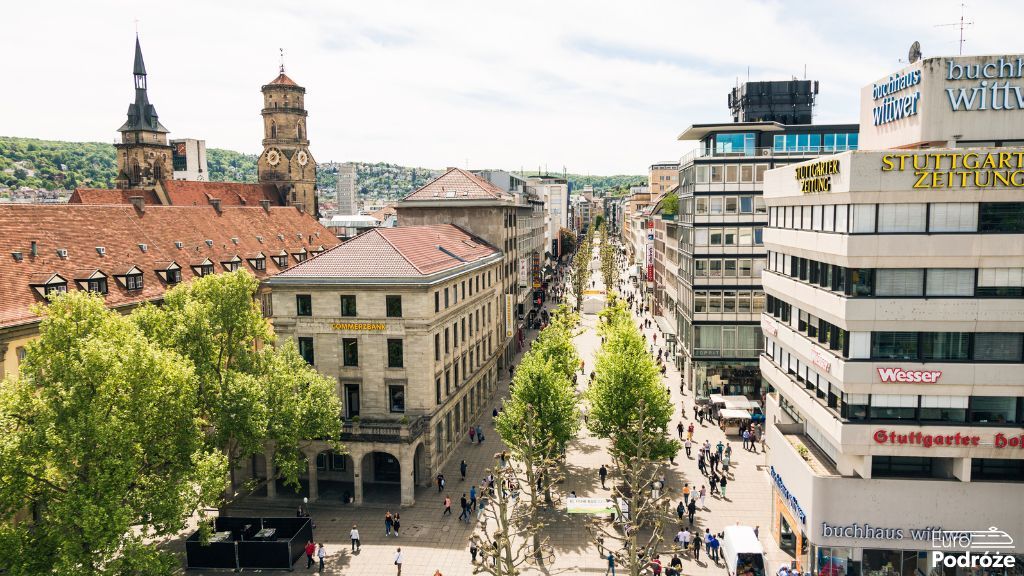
630	408
607	262
99	434
249	395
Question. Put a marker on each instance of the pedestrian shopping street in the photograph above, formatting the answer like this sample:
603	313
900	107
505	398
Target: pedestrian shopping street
431	542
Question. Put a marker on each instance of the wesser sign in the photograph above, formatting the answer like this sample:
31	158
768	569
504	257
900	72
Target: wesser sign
909	376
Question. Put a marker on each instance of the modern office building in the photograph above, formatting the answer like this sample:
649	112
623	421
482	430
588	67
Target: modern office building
407	320
662	177
721	220
894	330
188	159
346	189
554	192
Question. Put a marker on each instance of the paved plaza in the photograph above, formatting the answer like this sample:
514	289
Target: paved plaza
431	542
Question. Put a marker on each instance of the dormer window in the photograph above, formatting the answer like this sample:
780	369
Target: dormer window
46	284
204	268
316	250
301	255
93	281
281	259
169	272
257	261
232	265
131	278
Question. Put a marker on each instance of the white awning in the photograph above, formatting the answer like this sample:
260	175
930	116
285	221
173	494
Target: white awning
729	414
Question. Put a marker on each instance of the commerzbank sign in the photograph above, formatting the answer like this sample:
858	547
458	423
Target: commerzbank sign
960	169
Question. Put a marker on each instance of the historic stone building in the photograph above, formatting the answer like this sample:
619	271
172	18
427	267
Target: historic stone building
286	169
286	162
143	155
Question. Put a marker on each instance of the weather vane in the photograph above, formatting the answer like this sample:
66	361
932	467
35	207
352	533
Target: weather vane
282	59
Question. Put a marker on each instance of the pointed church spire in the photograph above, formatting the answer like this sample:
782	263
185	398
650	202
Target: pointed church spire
141	114
140	66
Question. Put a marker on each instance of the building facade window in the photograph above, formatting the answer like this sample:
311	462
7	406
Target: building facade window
396	398
348	305
306	349
303	305
395	353
350	351
394	306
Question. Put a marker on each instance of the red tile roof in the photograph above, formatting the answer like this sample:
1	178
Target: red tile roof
282	79
119	229
385	212
185	192
115	196
458	184
403	252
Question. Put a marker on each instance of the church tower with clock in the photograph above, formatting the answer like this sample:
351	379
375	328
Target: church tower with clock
286	162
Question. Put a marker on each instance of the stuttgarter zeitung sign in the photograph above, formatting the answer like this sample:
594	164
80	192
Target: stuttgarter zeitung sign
960	169
816	177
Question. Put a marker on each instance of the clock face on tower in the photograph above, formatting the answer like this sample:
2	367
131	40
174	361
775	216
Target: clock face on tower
273	157
302	157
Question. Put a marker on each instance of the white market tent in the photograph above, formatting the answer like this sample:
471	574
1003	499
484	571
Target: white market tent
731	414
593	304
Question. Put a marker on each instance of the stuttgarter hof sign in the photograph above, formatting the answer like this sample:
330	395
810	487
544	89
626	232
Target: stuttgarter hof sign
960	169
816	177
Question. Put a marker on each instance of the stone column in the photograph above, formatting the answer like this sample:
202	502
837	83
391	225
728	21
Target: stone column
313	488
408	478
268	455
357	478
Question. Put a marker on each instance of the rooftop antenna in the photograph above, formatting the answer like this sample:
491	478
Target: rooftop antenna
961	24
281	50
136	26
805	71
915	52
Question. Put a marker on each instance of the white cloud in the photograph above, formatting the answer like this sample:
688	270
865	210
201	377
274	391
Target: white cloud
597	86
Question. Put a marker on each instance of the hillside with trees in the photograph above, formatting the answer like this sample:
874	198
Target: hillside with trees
28	163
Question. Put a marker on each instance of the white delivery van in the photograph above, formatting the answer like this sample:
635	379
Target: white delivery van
743	554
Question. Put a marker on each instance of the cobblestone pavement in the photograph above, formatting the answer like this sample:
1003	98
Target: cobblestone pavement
431	542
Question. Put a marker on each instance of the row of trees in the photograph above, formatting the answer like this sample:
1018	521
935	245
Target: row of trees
119	428
631	409
537	421
581	267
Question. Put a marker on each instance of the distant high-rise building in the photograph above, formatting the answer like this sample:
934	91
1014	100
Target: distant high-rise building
783	101
346	187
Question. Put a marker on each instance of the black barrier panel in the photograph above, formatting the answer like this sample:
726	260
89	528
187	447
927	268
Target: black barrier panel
267	555
245	546
212	555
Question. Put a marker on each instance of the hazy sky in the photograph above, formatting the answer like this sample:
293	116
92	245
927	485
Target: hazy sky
599	87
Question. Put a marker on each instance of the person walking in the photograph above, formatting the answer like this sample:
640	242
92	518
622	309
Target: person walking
713	483
447	506
688	445
719	448
440	482
692	509
398	561
603	473
462	469
680	510
396	523
611	564
353	534
388	523
464	504
685	540
472	499
473	549
479	435
713	548
472	434
689	429
320	555
696	549
722	482
310	551
746	439
679	430
703	493
686	494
